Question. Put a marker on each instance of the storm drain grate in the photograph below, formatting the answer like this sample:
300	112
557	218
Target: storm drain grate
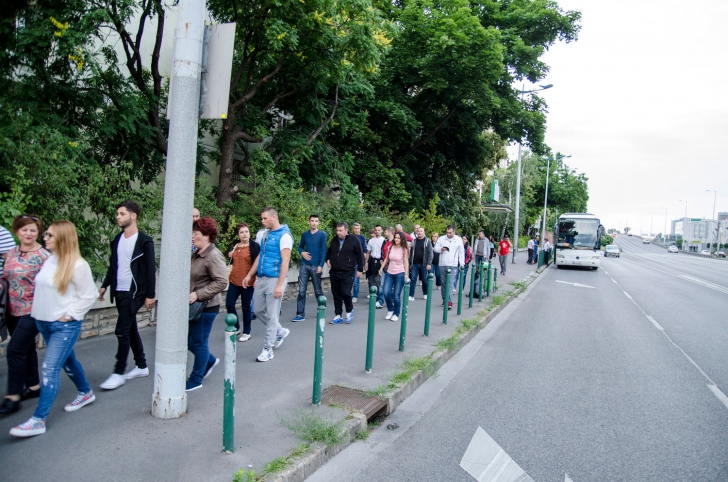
352	399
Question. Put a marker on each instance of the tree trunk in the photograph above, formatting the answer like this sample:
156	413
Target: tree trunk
227	149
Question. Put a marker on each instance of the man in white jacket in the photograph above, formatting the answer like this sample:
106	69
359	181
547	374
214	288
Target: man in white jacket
452	254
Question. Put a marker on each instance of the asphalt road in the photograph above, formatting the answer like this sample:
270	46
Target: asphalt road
622	378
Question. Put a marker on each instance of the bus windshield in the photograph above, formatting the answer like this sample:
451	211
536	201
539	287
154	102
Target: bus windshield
577	233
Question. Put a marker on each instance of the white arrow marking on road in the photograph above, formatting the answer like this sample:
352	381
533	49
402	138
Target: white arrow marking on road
486	461
567	479
577	285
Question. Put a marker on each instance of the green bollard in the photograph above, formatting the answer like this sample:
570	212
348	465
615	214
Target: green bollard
461	283
228	410
403	318
472	285
318	360
428	305
370	329
483	282
488	286
446	287
495	280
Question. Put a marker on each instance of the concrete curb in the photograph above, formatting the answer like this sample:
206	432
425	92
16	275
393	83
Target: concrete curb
307	464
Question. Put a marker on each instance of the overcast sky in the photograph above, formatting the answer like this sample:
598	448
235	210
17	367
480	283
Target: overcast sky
640	101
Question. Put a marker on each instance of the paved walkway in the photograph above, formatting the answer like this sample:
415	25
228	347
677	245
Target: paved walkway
116	439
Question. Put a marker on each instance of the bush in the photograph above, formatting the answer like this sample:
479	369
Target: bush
606	240
523	241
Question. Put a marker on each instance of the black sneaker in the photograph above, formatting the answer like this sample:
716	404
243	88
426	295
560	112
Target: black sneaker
8	406
28	394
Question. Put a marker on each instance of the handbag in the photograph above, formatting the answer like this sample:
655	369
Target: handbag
196	310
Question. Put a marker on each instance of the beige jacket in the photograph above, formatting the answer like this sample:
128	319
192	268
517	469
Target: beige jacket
208	275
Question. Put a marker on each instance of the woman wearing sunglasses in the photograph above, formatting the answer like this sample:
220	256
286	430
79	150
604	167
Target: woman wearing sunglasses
22	265
64	292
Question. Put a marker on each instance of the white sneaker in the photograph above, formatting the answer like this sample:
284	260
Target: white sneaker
395	318
424	297
369	297
411	298
265	355
244	337
389	315
454	292
279	338
354	300
113	382
136	372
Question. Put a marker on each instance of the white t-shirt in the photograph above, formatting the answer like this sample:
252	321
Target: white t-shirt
124	252
50	305
286	241
374	246
6	244
530	244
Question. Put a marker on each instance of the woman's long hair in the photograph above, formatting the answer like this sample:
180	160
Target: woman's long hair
402	240
66	249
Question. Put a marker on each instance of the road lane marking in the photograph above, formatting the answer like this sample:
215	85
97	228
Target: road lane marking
692	279
577	285
567	478
486	461
721	396
711	385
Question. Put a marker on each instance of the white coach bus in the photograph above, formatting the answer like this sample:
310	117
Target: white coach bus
577	240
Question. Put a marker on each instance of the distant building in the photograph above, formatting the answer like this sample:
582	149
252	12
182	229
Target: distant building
698	233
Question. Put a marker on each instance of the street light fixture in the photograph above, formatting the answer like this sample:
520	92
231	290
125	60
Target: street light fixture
516	233
546	196
715	195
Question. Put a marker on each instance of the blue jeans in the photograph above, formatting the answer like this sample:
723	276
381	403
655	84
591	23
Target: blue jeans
421	271
436	271
306	272
197	339
465	277
60	337
380	295
393	285
246	305
535	254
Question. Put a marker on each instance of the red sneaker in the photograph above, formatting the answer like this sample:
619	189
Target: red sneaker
449	305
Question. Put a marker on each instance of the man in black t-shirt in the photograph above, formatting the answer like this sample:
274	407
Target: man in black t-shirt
421	255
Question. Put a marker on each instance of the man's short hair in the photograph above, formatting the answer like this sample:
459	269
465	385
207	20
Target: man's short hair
343	225
378	226
313	216
481	232
398	226
449	227
356	224
270	210
130	206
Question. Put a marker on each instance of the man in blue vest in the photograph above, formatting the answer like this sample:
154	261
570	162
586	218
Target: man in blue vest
271	267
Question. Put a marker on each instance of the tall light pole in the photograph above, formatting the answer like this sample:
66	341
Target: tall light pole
715	195
652	222
546	196
516	231
664	235
686	206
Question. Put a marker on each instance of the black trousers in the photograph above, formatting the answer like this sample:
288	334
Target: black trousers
21	354
341	284
127	331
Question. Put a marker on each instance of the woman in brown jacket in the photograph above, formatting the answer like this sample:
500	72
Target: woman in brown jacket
208	278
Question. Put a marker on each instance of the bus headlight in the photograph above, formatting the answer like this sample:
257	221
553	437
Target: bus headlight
560	256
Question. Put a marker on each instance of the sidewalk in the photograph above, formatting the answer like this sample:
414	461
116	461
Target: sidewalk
116	439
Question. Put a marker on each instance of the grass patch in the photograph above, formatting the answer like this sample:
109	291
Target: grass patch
362	434
465	326
281	463
310	428
498	300
243	475
380	392
446	343
409	367
519	285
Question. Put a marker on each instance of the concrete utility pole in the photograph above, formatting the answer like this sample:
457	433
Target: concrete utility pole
169	398
717	231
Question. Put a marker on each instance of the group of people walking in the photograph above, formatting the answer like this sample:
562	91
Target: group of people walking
50	289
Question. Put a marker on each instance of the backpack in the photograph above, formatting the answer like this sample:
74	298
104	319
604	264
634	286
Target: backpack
4	306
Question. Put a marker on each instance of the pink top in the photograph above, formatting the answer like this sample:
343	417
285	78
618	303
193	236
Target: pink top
20	270
396	260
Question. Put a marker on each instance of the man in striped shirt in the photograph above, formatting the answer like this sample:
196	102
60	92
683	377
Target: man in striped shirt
6	244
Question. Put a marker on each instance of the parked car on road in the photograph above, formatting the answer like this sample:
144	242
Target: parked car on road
720	254
672	249
611	250
645	241
705	252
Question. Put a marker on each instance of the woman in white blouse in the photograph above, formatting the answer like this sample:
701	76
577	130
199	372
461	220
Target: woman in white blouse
64	292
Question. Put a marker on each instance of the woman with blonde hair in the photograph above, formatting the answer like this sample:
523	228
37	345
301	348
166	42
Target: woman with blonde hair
64	292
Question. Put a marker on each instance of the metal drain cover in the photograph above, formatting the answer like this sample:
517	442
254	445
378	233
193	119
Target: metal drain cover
352	399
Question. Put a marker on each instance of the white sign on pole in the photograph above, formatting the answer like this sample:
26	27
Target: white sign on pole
217	67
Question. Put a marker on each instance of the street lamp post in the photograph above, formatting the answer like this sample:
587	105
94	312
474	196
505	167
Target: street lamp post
546	196
715	195
664	229
518	177
652	222
686	206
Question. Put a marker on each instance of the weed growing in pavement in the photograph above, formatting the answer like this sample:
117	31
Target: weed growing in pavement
243	475
483	312
446	343
498	300
409	367
281	463
519	285
310	428
362	434
465	326
380	392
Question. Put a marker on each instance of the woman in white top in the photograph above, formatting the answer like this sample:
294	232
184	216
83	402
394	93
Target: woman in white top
64	292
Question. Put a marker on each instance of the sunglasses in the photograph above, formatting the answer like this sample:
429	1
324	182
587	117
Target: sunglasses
31	217
47	235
